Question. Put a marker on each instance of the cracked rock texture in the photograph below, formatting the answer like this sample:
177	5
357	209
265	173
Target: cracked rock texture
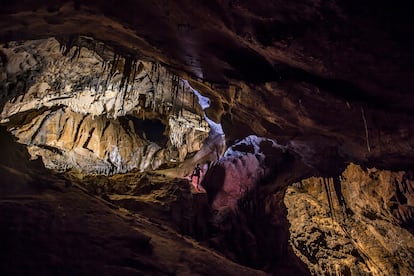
357	224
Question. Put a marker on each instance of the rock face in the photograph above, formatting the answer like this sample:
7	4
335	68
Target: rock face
243	166
248	217
330	81
302	72
52	228
78	111
353	224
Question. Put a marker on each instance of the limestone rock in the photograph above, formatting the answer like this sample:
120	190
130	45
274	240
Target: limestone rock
352	225
79	110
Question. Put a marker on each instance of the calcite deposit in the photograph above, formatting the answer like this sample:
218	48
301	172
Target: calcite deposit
77	110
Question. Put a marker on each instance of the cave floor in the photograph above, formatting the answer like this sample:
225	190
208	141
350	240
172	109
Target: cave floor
65	230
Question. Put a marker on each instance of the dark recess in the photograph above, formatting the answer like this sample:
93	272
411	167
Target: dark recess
152	129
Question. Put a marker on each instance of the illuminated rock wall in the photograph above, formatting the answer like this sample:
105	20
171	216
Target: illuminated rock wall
354	224
243	166
245	189
70	105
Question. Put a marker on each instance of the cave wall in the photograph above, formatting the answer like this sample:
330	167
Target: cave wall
357	223
69	103
326	130
309	70
248	218
331	81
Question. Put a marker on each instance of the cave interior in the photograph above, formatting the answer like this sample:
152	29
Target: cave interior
300	115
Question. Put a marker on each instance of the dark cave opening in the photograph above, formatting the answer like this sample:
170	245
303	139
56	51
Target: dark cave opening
152	129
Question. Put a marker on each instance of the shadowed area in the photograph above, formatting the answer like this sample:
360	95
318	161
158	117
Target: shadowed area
50	227
299	113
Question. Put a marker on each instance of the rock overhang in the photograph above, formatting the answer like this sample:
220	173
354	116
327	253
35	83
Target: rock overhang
293	71
325	80
79	110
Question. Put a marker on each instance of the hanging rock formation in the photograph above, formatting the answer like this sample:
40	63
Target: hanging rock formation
330	81
79	111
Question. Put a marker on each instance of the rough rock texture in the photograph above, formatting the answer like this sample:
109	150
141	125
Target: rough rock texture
172	202
69	106
51	228
248	218
92	145
353	224
304	71
327	131
331	81
243	165
328	78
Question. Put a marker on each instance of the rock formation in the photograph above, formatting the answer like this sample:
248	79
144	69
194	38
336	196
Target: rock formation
79	111
301	111
245	189
359	223
50	228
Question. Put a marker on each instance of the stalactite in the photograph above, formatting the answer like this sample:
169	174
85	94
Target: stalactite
80	88
103	67
62	48
172	85
175	95
69	45
114	65
183	98
162	93
172	91
155	86
108	77
134	75
366	128
74	54
126	73
97	85
158	86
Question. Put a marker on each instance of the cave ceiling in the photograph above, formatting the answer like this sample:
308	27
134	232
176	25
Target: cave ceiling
330	79
299	112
